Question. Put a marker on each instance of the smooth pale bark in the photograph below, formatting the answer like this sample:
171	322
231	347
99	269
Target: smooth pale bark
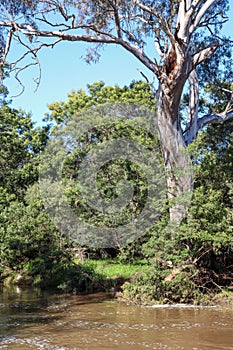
191	130
176	161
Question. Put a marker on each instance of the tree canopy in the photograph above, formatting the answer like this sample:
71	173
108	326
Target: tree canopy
21	143
184	40
98	93
200	253
32	250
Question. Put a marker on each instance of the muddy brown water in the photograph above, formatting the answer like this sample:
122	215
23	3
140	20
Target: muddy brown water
30	319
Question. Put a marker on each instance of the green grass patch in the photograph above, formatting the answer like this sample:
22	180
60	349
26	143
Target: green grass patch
112	268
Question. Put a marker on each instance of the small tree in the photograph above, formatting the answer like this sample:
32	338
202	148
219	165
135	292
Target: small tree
186	34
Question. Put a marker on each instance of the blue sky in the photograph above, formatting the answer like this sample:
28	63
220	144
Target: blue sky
63	69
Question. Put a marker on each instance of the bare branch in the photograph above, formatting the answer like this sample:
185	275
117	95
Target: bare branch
202	55
214	118
159	48
5	24
152	66
19	70
200	14
195	3
148	9
151	87
183	18
185	13
8	44
29	30
97	37
33	52
195	124
223	89
117	20
130	35
53	25
212	20
61	10
229	106
193	96
163	23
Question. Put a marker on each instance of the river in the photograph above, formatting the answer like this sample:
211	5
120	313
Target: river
31	319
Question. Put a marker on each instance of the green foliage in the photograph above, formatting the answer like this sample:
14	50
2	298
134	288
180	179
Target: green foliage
20	144
91	105
26	232
202	246
59	271
97	93
31	244
150	287
208	231
110	175
217	96
200	250
113	268
209	221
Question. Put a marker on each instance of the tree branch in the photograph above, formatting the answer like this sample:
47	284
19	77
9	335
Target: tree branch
183	18
202	55
8	44
150	85
214	118
200	14
152	66
117	20
161	20
185	12
98	37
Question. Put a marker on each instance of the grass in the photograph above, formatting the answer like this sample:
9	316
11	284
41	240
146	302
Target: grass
112	268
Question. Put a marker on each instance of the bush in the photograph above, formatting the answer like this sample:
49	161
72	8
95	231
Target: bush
152	287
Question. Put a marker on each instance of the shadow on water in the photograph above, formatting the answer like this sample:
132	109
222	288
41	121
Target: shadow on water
21	307
27	308
33	319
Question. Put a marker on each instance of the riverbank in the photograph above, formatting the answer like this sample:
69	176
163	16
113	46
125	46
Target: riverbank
143	283
136	283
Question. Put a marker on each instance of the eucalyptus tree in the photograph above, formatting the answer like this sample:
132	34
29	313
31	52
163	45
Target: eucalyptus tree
187	51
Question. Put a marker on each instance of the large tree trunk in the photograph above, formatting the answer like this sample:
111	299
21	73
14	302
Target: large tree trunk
174	27
176	160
